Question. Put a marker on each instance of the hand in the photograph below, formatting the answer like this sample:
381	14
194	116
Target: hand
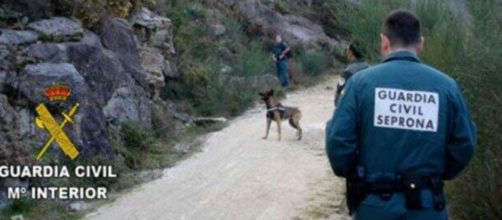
281	57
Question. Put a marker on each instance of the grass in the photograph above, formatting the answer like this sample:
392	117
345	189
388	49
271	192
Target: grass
33	210
327	201
469	52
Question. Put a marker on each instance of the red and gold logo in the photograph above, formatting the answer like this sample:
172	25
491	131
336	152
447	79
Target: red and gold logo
57	92
45	120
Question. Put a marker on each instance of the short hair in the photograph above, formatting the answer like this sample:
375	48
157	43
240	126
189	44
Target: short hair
356	50
402	28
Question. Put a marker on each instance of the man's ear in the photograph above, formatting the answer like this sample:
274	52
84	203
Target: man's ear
349	54
421	44
385	46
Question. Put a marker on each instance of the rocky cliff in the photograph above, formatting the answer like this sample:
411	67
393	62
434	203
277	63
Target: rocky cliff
114	72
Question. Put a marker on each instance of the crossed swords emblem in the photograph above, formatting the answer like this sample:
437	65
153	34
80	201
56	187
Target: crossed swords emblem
46	121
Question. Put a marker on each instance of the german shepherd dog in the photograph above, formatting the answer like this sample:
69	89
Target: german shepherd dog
277	112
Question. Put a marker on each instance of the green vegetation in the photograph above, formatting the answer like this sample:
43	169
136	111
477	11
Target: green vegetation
215	69
314	63
254	61
243	50
33	210
470	52
91	11
8	13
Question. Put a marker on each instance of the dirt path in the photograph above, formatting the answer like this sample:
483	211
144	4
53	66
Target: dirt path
240	176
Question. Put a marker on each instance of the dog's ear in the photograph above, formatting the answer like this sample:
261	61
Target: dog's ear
261	94
271	92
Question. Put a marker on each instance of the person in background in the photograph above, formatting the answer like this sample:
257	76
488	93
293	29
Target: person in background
400	130
279	56
357	63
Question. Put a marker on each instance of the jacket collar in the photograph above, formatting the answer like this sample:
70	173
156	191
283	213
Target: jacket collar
402	55
360	60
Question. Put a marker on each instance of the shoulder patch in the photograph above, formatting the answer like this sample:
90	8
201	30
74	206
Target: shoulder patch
405	109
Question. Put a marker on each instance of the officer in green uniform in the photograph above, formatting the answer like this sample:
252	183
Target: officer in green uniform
400	130
357	63
279	56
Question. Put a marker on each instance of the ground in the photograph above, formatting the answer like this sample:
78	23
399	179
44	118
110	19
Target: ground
240	176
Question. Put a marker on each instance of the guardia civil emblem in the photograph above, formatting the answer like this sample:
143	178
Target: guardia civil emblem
45	120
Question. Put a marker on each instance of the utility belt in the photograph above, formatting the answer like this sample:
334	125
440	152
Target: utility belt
410	185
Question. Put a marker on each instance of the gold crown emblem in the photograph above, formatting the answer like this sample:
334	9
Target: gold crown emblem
57	92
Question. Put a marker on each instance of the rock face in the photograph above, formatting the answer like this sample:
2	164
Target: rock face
12	37
154	30
217	30
36	77
110	73
297	31
58	27
156	66
117	36
127	104
155	35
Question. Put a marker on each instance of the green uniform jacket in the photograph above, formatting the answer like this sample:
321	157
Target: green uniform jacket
401	116
354	67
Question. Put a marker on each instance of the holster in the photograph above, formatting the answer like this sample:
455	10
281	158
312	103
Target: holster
412	192
414	184
356	189
437	185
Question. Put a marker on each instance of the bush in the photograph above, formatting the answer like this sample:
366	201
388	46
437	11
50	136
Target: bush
481	79
282	7
225	98
314	63
90	12
254	61
137	142
196	75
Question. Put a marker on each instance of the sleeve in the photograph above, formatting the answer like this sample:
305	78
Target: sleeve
346	74
341	133
284	46
461	139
